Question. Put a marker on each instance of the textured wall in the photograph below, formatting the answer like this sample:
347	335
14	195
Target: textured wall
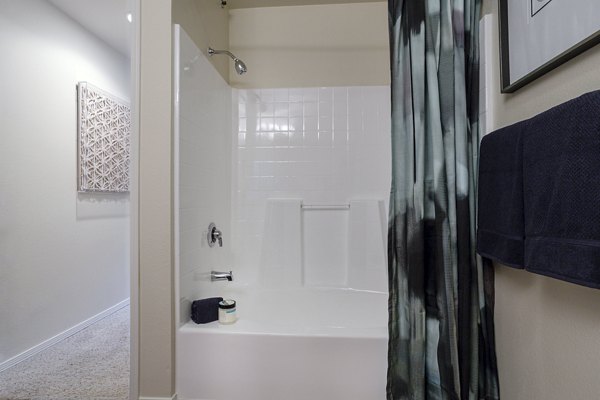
547	331
64	256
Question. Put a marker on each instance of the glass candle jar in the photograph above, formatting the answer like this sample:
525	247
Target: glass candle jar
227	313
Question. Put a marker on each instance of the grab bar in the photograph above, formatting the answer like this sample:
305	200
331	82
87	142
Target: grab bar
325	206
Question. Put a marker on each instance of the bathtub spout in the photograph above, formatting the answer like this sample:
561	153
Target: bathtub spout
221	276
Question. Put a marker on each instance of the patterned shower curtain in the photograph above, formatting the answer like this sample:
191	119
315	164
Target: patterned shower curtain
441	333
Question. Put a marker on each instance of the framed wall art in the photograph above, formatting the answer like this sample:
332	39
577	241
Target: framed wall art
537	36
103	140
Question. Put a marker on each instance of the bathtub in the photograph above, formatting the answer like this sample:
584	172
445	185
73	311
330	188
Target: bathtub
297	344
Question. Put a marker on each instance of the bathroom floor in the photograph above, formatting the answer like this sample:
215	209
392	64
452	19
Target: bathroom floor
92	364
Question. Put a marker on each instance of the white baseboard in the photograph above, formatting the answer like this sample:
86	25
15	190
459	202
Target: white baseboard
61	336
174	397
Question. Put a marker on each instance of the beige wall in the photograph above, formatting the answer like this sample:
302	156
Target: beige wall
208	25
547	331
279	3
318	45
155	325
156	305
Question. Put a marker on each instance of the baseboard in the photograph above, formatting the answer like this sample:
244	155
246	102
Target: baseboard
174	397
61	336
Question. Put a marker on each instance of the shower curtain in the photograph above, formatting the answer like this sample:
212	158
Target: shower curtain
441	333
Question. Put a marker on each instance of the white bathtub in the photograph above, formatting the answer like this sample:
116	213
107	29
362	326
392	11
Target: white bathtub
299	344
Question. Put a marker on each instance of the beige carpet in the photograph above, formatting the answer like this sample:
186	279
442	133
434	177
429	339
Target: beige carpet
92	364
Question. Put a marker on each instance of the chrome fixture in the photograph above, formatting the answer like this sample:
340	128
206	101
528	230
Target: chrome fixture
325	206
239	65
214	235
221	276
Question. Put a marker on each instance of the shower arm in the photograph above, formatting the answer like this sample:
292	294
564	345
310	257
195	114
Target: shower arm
212	51
239	65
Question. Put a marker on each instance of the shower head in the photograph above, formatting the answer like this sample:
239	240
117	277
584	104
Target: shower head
239	65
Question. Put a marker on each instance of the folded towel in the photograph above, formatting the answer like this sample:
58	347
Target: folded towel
500	230
561	180
206	310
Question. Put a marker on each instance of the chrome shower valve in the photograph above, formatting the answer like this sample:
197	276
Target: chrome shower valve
214	235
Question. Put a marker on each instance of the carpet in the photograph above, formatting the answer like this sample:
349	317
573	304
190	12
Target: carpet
92	364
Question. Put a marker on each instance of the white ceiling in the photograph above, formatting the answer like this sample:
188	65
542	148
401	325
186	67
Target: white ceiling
106	19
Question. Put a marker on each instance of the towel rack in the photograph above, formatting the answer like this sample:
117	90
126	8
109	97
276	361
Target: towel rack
325	206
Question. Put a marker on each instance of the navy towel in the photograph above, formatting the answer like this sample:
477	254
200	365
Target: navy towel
561	180
500	230
206	310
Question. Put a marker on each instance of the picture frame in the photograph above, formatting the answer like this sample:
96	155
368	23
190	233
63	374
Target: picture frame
537	36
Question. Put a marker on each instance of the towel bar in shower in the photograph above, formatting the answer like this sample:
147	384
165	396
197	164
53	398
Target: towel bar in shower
325	206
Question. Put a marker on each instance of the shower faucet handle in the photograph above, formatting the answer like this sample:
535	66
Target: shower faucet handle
217	235
214	235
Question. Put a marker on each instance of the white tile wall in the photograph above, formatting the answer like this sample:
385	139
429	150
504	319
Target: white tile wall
323	145
203	163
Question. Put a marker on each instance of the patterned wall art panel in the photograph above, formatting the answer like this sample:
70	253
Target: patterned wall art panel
103	140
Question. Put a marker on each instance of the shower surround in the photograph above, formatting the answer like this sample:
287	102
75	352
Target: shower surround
325	146
298	181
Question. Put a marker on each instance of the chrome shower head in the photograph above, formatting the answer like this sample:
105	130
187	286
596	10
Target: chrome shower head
238	64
